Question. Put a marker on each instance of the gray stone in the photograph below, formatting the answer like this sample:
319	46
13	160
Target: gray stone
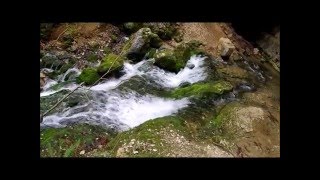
190	66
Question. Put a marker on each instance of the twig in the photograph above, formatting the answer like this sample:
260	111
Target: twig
41	117
62	33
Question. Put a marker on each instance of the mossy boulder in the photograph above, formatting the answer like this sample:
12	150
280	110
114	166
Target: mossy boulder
145	140
107	62
200	90
72	141
140	43
166	59
174	60
165	31
88	76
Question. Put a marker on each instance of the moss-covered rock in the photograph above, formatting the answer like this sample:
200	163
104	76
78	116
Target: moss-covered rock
167	60
89	76
174	60
107	62
140	43
166	31
143	141
71	140
200	90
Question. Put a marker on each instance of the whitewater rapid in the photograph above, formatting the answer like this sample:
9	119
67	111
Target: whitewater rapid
108	106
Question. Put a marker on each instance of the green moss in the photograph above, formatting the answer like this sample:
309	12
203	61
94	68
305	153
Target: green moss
200	90
184	51
166	59
107	62
89	76
69	141
164	30
216	126
147	132
176	59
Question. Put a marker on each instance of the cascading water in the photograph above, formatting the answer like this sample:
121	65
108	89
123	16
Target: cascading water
120	110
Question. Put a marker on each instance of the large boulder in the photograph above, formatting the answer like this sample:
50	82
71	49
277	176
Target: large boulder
225	48
166	31
112	61
88	76
175	60
140	43
202	90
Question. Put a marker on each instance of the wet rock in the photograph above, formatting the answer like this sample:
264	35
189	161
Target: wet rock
140	43
203	90
184	84
190	66
112	62
89	76
175	60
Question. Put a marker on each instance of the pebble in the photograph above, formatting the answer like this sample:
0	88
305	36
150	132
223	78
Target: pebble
154	150
82	152
135	152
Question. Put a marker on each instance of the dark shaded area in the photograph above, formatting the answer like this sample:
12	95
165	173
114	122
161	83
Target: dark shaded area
253	31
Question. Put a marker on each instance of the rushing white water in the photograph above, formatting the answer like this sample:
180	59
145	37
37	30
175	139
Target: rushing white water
75	72
117	110
49	83
110	107
130	70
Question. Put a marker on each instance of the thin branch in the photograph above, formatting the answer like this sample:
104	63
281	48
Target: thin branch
41	117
